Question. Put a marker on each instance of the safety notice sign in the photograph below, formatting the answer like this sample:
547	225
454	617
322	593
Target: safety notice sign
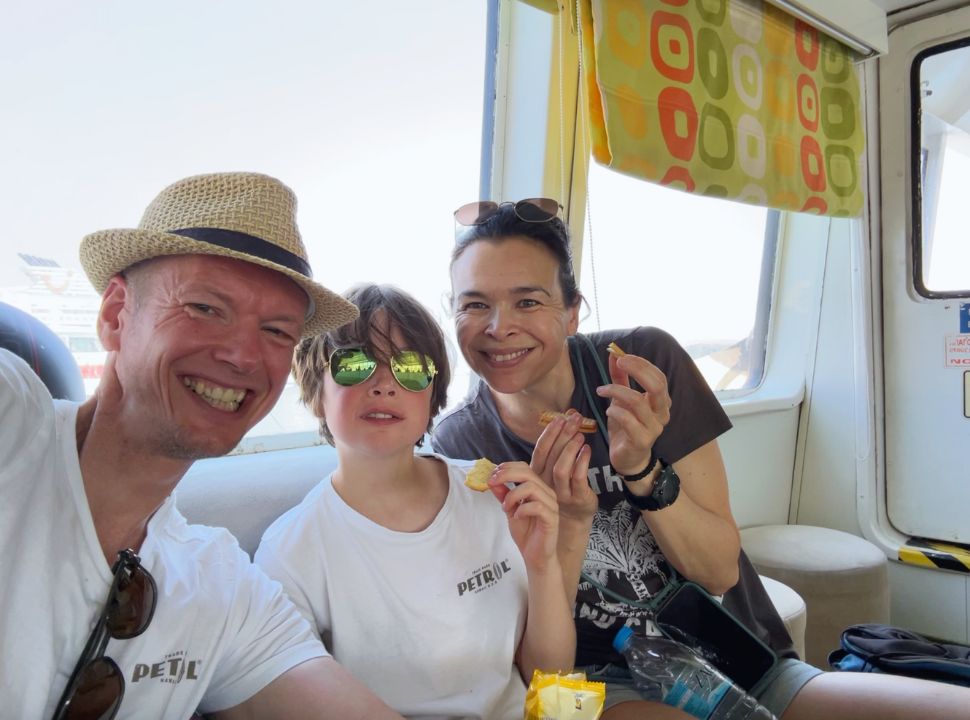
958	351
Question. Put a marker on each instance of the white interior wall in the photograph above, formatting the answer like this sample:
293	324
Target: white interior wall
932	602
760	481
828	468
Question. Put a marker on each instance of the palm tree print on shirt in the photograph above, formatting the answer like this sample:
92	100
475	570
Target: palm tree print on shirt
623	555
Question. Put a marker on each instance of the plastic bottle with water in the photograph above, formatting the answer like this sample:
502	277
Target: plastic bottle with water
672	673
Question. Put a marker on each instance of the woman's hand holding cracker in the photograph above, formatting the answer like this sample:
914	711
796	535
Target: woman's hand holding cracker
561	459
635	419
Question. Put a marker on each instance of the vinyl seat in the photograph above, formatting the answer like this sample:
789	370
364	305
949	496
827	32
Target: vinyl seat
842	578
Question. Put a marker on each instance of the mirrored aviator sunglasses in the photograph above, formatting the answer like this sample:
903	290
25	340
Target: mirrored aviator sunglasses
352	366
97	685
528	210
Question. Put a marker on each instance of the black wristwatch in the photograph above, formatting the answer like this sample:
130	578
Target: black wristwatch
666	488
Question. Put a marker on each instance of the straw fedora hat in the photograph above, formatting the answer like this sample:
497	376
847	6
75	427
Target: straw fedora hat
247	216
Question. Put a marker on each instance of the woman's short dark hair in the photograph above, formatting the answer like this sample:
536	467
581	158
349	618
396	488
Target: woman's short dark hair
551	234
378	304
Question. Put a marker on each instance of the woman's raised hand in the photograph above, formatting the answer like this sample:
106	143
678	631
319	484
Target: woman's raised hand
532	512
635	419
561	459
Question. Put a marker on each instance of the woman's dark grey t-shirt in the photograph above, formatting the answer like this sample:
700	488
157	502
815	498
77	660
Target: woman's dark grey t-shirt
622	554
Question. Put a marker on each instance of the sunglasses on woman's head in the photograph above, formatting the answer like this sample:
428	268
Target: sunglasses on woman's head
529	210
96	686
412	370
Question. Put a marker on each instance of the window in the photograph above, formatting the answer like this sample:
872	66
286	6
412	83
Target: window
371	112
697	267
941	105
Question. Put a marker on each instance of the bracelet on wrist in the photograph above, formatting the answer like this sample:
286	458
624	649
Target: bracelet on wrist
643	473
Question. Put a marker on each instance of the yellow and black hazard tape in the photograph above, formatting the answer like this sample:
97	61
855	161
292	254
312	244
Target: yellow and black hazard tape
936	554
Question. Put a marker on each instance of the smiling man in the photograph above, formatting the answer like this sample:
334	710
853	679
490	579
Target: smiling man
112	605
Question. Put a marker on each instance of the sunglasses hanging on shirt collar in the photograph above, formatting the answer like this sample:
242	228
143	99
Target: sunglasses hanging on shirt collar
97	685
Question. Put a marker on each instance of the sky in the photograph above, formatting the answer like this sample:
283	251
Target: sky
371	111
374	120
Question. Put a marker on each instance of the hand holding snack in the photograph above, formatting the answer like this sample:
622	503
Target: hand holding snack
561	458
635	419
532	511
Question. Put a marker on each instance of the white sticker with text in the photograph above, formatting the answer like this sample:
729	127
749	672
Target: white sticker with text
958	351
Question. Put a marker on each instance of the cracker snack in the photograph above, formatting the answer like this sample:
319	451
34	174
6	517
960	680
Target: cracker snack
586	425
615	349
477	477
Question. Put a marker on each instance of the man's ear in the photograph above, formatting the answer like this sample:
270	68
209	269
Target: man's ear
111	317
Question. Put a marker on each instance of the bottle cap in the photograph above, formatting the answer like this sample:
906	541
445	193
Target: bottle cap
622	639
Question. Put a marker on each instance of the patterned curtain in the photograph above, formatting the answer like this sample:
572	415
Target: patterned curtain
728	98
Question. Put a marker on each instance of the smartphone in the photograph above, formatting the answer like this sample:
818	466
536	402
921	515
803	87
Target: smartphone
691	616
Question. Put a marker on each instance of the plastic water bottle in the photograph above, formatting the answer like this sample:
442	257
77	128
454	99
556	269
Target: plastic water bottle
672	673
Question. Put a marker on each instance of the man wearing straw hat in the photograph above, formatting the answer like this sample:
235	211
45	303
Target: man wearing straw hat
111	603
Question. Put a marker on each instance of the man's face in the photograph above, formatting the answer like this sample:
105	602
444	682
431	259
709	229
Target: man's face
204	349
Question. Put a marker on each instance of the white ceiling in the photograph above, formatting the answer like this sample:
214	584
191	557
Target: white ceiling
892	5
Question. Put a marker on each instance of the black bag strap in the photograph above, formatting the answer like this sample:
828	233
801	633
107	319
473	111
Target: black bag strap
674	580
591	398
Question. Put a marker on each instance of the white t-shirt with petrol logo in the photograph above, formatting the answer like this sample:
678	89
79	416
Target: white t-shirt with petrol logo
221	631
430	620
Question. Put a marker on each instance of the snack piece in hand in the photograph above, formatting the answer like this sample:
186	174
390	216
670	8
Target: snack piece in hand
586	425
615	349
481	471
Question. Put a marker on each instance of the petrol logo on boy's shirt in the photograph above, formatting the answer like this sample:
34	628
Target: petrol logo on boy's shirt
484	577
174	668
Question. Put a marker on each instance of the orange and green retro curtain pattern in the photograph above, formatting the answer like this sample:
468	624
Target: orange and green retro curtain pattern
728	98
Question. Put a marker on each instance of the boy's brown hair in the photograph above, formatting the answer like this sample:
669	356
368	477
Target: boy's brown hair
394	308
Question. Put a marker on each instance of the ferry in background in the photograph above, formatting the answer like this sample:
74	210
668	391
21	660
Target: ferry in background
62	299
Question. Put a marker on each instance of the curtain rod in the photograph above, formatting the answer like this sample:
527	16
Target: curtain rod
864	50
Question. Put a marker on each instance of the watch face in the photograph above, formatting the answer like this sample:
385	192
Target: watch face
666	487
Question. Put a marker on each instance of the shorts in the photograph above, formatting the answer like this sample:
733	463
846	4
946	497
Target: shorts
775	691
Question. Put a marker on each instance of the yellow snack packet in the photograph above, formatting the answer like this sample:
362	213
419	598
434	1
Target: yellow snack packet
564	697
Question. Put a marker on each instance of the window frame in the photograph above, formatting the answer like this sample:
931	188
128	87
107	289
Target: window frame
916	174
567	157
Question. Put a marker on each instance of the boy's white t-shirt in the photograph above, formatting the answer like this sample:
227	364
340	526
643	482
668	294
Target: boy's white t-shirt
221	631
431	620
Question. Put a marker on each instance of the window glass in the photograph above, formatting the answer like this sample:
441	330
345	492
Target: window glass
688	264
943	104
370	111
